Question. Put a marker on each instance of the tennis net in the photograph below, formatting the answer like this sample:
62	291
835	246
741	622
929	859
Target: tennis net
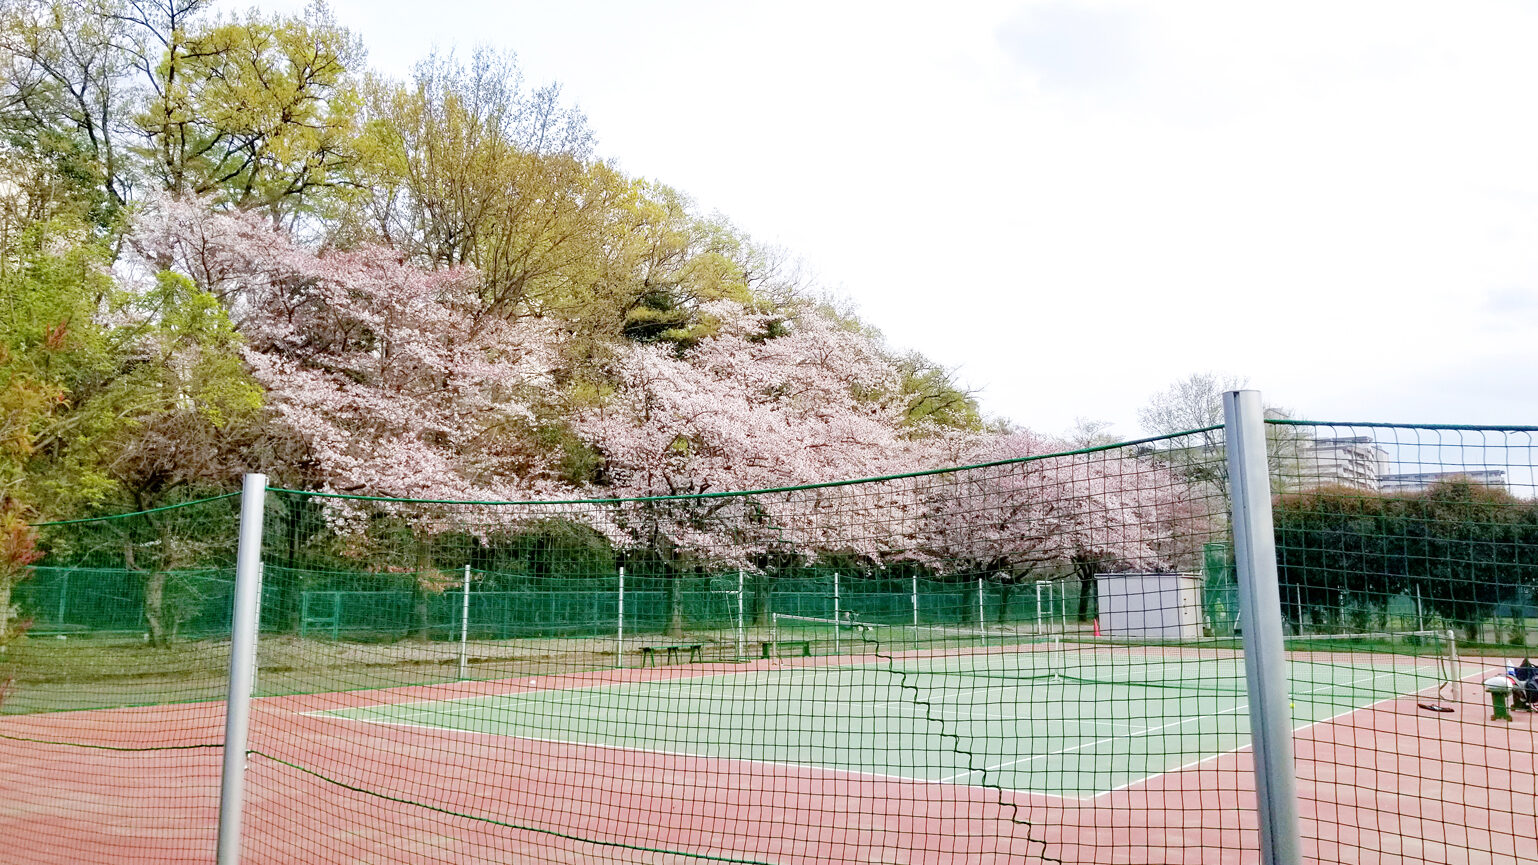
1376	665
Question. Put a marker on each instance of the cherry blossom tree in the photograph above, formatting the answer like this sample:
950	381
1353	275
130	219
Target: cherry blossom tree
382	370
381	378
388	379
762	403
1034	504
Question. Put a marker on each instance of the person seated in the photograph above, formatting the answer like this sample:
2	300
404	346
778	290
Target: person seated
1524	691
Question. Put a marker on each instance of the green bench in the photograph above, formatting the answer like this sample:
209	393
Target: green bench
771	646
649	653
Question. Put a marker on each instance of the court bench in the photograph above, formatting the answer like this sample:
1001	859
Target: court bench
649	653
771	647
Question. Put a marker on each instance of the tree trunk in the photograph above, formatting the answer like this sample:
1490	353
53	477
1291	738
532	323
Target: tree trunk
1087	598
762	599
420	629
154	607
5	611
675	605
1006	591
291	586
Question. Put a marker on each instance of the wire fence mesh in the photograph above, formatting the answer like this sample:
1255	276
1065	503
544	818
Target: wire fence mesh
1035	660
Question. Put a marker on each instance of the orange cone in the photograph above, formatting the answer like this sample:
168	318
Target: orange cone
1097	627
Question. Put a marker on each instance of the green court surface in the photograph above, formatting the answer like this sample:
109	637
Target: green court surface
1077	727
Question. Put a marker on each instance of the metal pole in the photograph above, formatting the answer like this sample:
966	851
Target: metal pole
243	627
1060	602
1420	613
836	618
464	627
1064	606
741	636
981	623
63	596
1457	674
1261	610
1038	607
619	638
915	597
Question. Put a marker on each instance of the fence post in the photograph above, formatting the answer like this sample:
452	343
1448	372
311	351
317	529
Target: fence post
982	623
836	619
243	627
741	636
1038	607
464	626
619	639
1260	607
915	597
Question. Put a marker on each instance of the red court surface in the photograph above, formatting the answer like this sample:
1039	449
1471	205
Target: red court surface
1387	784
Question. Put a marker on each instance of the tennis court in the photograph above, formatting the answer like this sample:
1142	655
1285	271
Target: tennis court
802	760
1036	717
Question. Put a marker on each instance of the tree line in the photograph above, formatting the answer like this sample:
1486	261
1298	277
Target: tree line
227	246
1460	549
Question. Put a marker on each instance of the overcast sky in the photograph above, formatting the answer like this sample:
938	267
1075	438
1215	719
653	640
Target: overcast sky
1077	203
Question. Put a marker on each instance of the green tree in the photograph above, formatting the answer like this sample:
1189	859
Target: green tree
1460	548
1467	548
261	112
1337	551
49	279
466	166
932	396
169	417
52	280
67	92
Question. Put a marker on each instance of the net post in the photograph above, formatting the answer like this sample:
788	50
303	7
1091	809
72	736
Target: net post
243	627
1261	612
619	636
1452	651
741	634
464	626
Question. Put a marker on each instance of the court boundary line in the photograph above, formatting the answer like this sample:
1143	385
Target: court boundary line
1295	731
331	714
878	776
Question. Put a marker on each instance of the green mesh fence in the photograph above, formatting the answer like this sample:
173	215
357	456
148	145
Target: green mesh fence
1383	528
1220	589
1037	660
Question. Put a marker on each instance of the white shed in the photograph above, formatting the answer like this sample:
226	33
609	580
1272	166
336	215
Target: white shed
1151	605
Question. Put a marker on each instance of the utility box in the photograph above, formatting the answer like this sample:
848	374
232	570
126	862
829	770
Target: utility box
1163	606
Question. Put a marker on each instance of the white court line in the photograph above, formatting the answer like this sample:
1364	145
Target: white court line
1296	730
577	688
511	701
880	776
542	694
428	712
1244	706
1079	747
